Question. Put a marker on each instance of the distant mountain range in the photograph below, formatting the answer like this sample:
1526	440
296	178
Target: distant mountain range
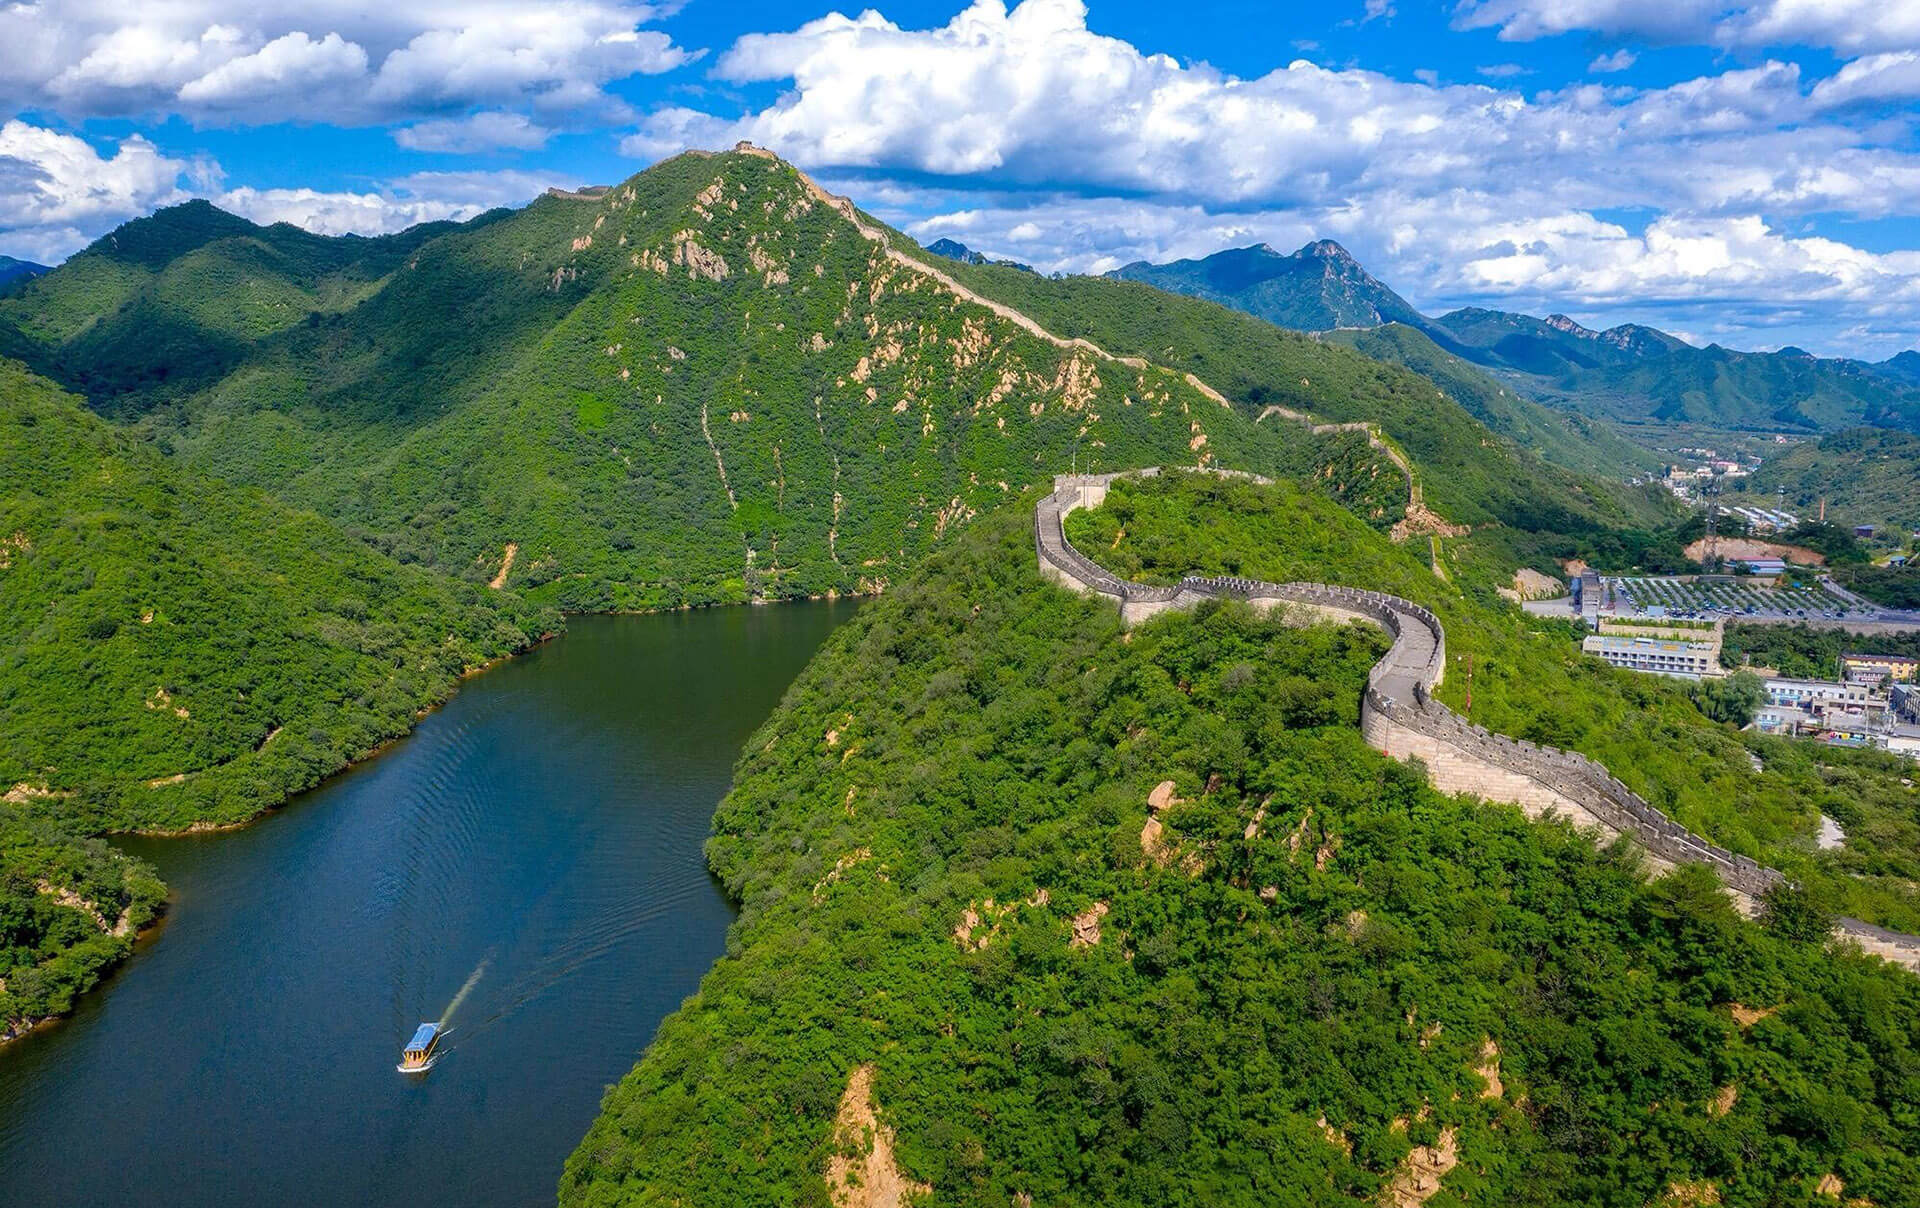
12	270
1318	288
953	249
1631	372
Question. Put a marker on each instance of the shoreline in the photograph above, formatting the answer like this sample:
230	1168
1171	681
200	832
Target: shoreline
12	1030
207	826
211	827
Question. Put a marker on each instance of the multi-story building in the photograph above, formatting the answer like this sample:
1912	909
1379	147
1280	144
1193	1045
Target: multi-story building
1693	660
1803	694
1905	699
1878	668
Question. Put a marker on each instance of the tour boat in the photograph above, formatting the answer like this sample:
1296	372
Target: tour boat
421	1052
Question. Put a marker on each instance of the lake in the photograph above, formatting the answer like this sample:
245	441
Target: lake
539	838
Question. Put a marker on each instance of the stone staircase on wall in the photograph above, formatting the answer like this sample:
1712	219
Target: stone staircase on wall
1400	717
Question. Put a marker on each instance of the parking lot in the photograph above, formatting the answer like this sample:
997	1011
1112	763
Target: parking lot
1712	598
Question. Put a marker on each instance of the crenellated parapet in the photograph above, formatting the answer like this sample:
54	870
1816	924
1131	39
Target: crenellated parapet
1400	717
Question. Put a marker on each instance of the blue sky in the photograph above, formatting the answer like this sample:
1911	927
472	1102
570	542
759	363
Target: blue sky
1743	171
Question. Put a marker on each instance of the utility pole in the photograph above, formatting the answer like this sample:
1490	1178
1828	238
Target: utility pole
1707	493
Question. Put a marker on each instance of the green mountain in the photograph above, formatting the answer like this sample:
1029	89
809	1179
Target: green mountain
1905	366
1863	475
12	271
711	383
1317	288
1568	439
1475	469
169	303
181	651
953	249
1637	373
972	962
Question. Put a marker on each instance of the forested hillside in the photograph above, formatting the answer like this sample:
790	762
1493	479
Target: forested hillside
1472	476
1530	680
1864	475
180	651
1038	911
705	385
171	302
1567	439
70	909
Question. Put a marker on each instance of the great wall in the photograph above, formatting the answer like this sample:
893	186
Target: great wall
1398	714
1400	717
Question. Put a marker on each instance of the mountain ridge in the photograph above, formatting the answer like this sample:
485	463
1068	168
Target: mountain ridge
692	388
12	270
1629	372
1317	288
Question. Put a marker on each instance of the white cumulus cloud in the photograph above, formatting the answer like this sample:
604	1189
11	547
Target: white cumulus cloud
1004	128
487	131
408	201
58	192
1849	26
339	61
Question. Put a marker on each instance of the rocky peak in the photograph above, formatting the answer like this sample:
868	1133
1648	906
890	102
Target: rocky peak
1567	326
1327	249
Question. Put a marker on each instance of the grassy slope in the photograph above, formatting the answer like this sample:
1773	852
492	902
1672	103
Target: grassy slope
993	737
1534	684
538	381
161	624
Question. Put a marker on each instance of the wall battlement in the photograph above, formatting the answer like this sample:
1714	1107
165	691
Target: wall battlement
1400	717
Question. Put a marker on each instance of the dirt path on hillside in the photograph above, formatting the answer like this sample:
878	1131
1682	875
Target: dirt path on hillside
506	567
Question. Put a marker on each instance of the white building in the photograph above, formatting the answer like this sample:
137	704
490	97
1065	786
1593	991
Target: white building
1692	660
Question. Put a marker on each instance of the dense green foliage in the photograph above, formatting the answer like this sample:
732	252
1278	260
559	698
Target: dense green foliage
179	651
1831	541
1732	699
1865	476
1525	679
1276	1010
69	910
1804	652
1894	586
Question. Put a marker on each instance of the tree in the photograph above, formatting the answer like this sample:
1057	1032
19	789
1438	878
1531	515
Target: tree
1795	912
1733	699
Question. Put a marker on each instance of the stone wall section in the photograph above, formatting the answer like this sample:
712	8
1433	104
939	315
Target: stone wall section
1400	717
